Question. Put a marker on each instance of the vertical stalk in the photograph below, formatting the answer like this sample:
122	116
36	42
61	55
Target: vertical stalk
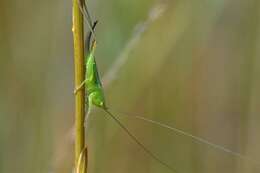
78	35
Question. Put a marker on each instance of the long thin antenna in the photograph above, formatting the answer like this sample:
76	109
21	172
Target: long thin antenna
197	139
138	142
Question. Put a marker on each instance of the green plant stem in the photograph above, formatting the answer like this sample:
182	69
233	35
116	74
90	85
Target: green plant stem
78	35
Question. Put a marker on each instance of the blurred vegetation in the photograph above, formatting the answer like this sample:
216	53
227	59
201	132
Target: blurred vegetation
194	66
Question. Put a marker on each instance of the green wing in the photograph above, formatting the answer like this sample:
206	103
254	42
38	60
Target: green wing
93	83
96	75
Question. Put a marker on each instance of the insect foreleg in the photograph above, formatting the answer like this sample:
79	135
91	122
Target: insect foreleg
90	106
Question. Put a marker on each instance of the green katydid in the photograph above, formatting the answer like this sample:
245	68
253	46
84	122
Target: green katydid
96	95
96	98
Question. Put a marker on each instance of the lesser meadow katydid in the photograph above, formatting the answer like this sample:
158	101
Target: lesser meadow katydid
95	93
95	96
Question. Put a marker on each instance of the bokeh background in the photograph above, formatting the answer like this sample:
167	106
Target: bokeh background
193	65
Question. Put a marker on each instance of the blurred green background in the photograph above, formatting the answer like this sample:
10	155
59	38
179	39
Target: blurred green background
193	65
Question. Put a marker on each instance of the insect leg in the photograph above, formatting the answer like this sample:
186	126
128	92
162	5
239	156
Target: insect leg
80	86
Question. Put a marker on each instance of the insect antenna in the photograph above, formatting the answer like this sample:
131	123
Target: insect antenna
150	153
195	138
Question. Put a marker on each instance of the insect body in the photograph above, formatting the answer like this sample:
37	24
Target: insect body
95	92
95	95
93	83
